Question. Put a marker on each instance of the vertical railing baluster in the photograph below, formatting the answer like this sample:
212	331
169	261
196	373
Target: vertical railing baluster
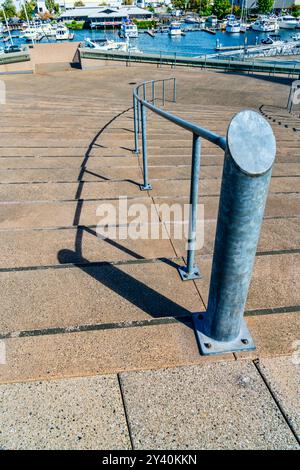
174	91
138	116
191	271
146	186
163	92
153	92
135	120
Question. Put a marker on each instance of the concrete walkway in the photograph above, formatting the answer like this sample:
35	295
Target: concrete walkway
96	338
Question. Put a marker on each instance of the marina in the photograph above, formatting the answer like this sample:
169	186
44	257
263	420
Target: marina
191	44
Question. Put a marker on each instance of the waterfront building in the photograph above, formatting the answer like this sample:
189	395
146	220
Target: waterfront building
105	16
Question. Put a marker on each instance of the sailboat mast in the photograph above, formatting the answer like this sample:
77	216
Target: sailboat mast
26	15
7	26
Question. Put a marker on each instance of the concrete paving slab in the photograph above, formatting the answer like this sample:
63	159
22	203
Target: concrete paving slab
75	414
283	377
67	163
214	406
102	293
111	350
278	205
68	191
69	175
275	281
273	334
66	214
39	247
276	234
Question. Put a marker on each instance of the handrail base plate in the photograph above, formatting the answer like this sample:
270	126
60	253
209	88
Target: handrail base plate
210	347
194	274
146	187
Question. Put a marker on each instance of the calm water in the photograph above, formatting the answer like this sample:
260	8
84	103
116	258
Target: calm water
193	44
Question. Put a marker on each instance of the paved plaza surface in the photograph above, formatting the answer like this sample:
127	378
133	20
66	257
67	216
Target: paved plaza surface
97	345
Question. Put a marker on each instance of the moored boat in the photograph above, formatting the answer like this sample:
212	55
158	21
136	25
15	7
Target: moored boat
128	29
175	29
287	22
232	25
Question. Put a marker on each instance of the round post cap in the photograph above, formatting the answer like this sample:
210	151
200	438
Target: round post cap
251	142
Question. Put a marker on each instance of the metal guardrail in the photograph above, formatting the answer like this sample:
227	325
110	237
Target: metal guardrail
250	150
227	64
140	105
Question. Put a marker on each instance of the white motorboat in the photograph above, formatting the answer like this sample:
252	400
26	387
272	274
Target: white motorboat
194	20
264	25
287	22
32	33
62	33
298	24
129	30
175	29
107	45
49	30
232	25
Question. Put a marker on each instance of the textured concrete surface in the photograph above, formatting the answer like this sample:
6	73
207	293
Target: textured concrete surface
77	414
116	348
279	275
217	406
274	335
283	376
113	310
34	299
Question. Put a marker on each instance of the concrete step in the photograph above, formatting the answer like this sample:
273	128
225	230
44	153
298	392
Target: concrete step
73	213
25	248
93	294
115	189
277	273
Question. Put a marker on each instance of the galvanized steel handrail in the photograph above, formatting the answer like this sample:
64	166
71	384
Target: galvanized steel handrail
140	105
250	149
187	125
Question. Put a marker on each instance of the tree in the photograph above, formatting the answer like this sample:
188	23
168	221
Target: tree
265	6
52	6
30	9
79	3
9	8
221	8
205	7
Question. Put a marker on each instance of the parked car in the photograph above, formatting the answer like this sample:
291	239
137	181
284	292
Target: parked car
12	48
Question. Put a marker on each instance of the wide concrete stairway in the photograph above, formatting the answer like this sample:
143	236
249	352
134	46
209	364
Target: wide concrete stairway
76	305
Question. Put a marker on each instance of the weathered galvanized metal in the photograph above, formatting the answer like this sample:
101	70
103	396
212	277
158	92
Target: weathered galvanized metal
136	124
249	156
191	271
146	186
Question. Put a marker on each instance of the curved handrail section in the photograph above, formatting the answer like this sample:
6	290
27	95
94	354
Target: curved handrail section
187	125
140	105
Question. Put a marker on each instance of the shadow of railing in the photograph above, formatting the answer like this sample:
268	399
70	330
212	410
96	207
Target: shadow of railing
112	275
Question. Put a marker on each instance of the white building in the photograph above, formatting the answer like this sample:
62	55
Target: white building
105	16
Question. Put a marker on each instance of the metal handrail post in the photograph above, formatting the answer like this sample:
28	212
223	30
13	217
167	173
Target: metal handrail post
191	271
153	92
163	93
146	186
135	120
174	91
249	157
